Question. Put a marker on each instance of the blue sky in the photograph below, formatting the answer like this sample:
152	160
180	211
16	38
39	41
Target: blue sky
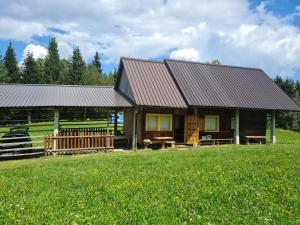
264	34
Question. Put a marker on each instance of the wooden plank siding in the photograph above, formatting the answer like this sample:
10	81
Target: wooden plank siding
151	134
225	116
252	123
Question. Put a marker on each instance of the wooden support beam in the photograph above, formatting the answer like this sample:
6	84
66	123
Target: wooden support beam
273	134
29	117
196	140
116	122
237	127
56	126
134	128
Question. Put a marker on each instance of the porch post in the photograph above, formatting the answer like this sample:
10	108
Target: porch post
29	117
116	122
56	126
237	127
134	144
273	135
195	143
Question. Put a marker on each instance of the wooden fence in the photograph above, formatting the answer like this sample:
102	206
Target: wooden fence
75	142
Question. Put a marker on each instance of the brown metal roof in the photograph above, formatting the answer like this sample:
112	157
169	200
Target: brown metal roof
18	95
150	84
211	85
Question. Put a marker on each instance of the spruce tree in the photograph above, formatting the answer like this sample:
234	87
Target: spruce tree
3	76
77	67
52	63
97	63
31	73
11	65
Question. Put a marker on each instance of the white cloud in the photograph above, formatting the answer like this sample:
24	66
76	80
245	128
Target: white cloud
188	30
189	54
38	51
227	30
11	28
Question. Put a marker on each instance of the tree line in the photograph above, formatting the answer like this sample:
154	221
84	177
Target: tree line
52	69
289	120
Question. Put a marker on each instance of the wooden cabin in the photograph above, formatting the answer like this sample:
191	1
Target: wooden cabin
184	102
198	102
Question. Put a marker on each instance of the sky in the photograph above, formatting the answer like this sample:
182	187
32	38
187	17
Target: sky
263	34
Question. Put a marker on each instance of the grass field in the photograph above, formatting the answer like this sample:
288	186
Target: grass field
209	185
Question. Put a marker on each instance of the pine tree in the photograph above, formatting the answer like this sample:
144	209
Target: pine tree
97	63
11	65
52	63
77	67
31	73
3	76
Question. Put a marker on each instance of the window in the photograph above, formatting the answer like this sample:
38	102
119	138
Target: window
158	122
151	123
212	123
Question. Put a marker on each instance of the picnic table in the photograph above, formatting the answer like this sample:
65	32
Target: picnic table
255	138
165	140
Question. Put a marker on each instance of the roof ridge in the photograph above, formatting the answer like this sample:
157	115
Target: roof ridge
143	60
210	64
57	85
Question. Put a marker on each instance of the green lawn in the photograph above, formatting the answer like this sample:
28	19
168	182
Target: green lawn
209	185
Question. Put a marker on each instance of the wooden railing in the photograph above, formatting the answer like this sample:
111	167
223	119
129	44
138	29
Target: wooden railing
74	143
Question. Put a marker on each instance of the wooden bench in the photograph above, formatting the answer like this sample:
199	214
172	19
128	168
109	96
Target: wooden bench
255	138
216	141
172	143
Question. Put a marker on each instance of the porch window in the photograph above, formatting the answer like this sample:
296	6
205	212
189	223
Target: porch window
212	123
151	122
158	122
165	122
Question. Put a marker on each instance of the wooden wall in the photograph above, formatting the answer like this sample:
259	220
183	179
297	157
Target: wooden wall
128	121
225	116
252	123
151	134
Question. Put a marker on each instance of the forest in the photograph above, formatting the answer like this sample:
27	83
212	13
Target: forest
52	69
75	71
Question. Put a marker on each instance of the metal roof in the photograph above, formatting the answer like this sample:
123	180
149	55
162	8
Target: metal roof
211	85
150	83
18	95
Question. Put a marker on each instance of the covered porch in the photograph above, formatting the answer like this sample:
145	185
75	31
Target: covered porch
201	126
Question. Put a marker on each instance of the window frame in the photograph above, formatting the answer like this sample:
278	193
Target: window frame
214	117
159	115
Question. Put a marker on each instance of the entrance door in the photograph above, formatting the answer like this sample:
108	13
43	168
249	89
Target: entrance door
192	129
179	128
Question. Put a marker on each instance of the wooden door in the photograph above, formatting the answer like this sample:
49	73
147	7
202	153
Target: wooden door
192	129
